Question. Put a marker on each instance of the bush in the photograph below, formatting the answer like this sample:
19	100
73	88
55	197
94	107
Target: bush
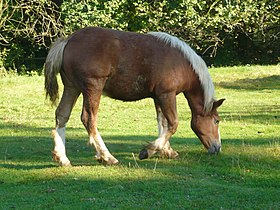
224	32
27	28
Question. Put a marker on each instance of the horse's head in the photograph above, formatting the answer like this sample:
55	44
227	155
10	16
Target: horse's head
206	127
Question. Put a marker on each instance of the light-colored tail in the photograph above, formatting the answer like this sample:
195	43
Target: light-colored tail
52	68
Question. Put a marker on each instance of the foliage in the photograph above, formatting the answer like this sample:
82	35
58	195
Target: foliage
37	21
248	30
225	32
244	176
27	28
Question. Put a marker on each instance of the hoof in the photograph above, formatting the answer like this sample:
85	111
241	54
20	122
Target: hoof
107	160
143	154
62	161
67	164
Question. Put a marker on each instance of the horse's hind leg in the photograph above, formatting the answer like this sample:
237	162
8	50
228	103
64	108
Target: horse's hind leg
89	119
63	112
165	130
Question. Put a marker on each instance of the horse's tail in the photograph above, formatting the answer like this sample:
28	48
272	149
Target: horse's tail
52	68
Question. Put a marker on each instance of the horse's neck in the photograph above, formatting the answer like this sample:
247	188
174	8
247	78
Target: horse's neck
195	97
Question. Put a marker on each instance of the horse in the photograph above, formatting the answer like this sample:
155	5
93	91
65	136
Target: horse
130	66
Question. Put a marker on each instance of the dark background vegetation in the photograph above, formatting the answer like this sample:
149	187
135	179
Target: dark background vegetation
223	32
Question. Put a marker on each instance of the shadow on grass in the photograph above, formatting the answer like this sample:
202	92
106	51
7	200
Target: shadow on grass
26	167
127	192
248	179
35	150
265	83
195	181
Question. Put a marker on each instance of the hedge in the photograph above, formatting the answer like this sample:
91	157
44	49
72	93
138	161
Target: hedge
224	32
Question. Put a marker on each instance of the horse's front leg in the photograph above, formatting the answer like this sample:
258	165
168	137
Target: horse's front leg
165	106
89	119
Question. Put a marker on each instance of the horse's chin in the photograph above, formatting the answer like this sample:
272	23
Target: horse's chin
214	149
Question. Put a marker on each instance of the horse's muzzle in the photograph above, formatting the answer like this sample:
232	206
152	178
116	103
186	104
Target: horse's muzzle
214	148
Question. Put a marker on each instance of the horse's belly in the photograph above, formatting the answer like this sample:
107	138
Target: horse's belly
127	88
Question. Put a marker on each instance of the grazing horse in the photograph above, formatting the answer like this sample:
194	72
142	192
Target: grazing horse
130	66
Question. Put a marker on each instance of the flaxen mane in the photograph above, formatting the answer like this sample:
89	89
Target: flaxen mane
197	63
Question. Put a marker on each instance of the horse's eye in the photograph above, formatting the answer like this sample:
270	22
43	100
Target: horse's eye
216	121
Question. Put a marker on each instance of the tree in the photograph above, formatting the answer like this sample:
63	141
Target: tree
27	28
224	32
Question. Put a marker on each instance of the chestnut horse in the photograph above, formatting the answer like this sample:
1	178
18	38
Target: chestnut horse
130	66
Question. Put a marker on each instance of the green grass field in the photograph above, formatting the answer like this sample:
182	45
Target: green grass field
246	175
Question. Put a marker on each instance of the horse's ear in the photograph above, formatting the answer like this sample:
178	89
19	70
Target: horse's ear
218	103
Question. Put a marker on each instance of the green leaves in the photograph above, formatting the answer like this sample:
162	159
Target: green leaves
205	25
227	32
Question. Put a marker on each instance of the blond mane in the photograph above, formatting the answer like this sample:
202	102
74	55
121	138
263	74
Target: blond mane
198	65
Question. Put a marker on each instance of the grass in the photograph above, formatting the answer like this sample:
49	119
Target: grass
244	176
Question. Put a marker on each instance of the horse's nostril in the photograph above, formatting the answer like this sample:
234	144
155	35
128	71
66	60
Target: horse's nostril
218	149
214	148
